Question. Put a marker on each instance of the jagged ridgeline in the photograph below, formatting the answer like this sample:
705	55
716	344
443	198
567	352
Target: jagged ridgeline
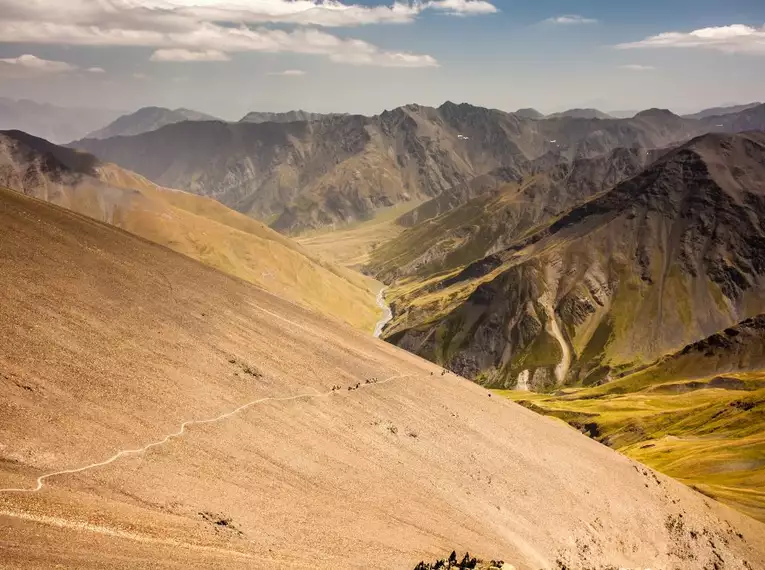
304	171
516	290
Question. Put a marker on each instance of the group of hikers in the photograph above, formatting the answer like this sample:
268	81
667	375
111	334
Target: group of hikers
467	562
373	380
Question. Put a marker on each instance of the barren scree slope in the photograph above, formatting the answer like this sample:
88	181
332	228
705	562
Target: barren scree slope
109	343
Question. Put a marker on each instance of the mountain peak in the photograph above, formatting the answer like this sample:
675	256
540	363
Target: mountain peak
580	114
657	113
148	119
529	113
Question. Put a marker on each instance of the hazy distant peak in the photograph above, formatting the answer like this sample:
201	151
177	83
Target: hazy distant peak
722	110
148	119
57	124
529	113
658	113
580	114
285	117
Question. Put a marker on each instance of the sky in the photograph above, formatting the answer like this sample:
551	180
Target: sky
229	57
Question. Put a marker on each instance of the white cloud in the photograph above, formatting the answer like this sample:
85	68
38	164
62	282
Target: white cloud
189	55
571	20
301	12
140	76
462	7
172	13
383	59
637	67
95	70
736	38
35	64
329	13
190	30
288	73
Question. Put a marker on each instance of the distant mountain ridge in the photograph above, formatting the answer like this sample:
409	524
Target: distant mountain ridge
285	117
146	120
58	124
529	113
580	114
719	111
337	169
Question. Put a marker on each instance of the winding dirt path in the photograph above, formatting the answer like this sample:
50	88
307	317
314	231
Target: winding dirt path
181	431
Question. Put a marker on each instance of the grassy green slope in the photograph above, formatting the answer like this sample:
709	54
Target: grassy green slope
712	439
697	415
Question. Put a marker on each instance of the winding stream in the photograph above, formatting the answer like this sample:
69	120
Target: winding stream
387	313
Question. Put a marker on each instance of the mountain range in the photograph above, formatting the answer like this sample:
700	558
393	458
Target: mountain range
192	379
607	272
308	175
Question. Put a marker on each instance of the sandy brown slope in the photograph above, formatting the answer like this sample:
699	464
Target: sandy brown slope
109	343
192	225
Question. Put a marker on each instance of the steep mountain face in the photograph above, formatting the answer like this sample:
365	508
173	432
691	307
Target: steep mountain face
494	210
303	175
665	258
195	226
58	124
146	120
288	117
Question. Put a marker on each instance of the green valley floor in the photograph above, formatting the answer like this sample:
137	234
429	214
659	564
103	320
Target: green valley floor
708	433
